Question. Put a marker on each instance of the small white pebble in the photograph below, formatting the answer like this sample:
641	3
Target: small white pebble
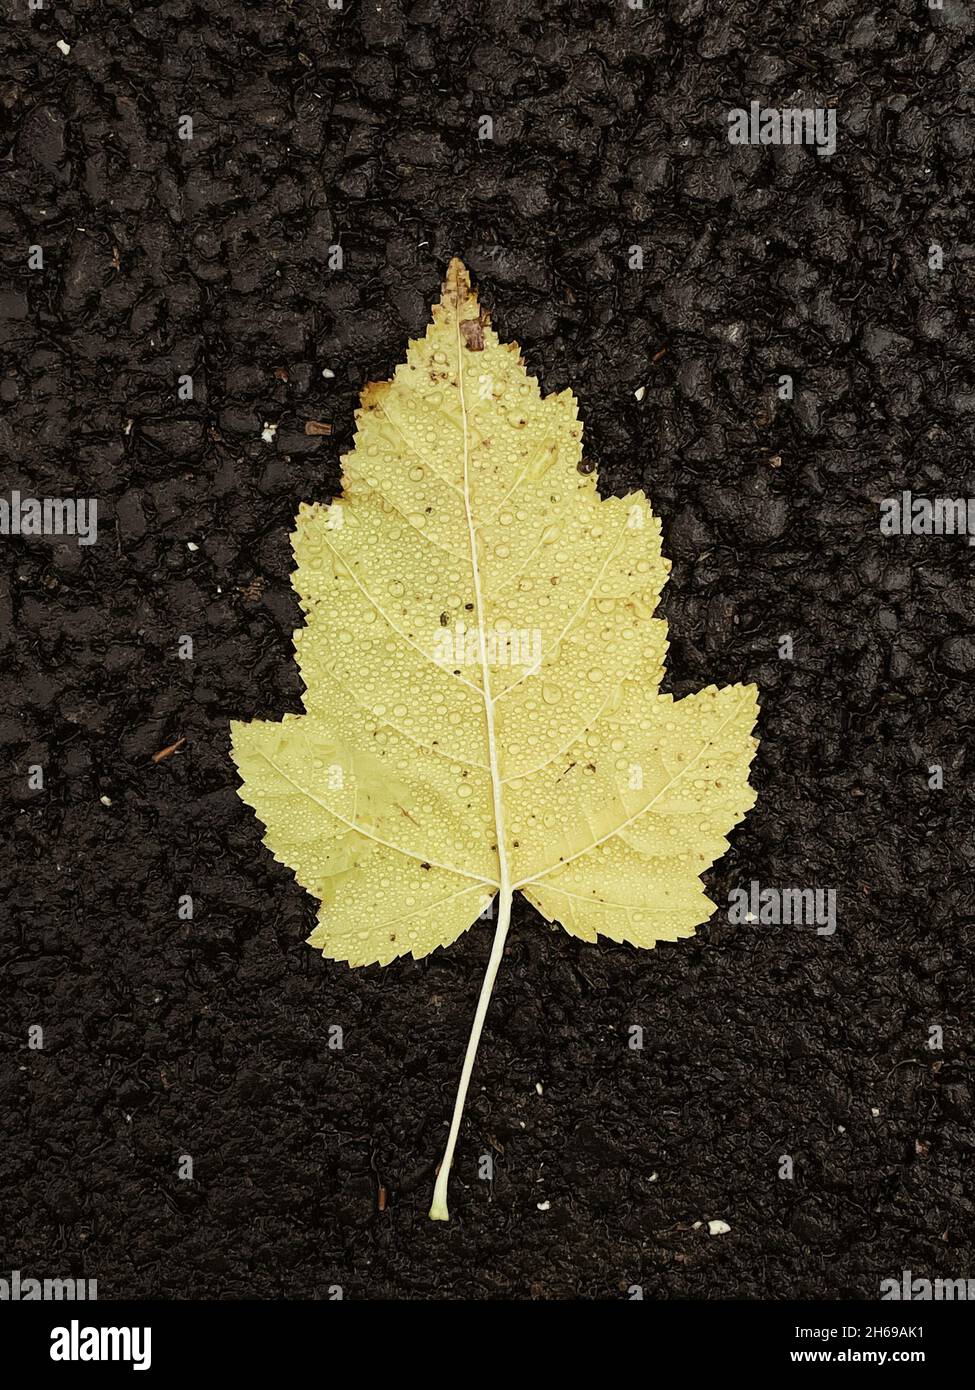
640	392
64	47
539	1087
718	1228
327	373
268	432
543	1206
841	1129
875	1113
697	1225
653	1177
192	545
105	800
128	427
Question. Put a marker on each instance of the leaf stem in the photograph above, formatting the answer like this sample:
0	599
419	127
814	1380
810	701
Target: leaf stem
438	1210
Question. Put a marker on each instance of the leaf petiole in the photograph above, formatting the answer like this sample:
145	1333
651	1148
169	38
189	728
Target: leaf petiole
438	1210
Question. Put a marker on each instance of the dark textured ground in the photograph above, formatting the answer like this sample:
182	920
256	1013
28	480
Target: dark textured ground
207	1038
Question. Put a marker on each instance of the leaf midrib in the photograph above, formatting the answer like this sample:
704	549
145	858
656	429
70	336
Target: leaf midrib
494	767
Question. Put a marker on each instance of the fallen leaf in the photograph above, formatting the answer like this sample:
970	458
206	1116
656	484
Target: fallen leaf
525	744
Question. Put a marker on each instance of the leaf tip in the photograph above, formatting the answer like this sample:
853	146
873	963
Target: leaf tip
458	281
458	298
751	693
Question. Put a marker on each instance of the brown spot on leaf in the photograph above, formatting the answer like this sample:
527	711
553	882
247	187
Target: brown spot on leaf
473	333
373	393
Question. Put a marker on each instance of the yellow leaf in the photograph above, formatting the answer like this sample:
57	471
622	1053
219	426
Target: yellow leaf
482	670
